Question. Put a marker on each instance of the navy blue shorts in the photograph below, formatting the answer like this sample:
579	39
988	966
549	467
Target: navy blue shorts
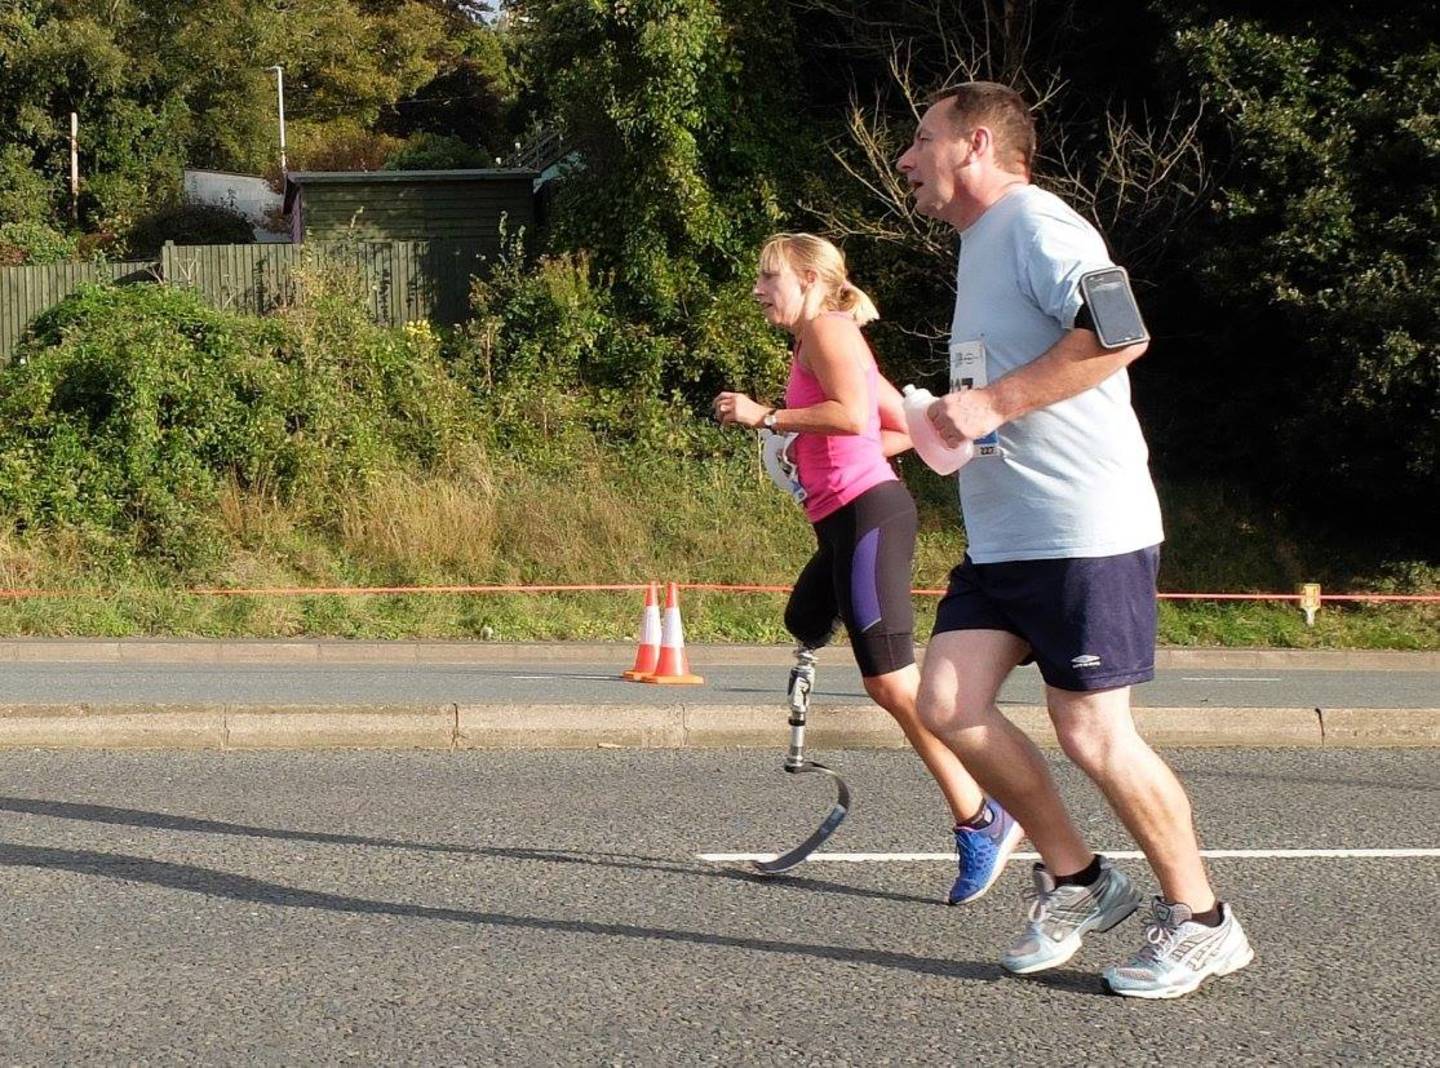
860	575
1090	621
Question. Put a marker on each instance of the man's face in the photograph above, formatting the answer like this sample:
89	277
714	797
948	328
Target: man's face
935	160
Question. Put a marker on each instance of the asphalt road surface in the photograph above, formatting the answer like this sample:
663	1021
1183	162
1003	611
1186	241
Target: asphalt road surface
549	908
543	683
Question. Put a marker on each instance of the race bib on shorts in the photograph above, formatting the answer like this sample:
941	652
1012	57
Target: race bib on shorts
968	371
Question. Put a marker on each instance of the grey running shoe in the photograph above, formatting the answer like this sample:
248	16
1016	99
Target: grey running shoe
1060	917
1179	954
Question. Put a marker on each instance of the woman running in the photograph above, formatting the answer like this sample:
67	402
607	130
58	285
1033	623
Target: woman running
846	421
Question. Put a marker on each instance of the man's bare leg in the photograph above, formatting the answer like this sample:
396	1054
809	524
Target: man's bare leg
1098	733
963	673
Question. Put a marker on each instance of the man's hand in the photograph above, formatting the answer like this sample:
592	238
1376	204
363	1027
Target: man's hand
968	413
738	409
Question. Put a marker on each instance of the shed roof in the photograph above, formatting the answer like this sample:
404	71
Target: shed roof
295	179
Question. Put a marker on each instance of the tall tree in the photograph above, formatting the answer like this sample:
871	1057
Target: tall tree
1317	264
159	86
681	113
473	97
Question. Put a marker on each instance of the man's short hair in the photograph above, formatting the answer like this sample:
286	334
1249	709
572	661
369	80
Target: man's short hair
999	108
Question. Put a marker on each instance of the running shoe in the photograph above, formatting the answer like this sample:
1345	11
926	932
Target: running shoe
1060	917
982	854
1179	954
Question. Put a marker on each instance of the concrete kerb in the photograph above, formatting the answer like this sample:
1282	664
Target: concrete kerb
340	651
679	725
676	726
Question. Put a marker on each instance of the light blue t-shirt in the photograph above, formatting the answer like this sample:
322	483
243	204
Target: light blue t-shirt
1070	480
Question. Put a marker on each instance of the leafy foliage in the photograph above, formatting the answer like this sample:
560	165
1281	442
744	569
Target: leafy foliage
188	224
1317	265
1286	257
473	98
436	152
131	407
549	352
160	86
677	112
33	243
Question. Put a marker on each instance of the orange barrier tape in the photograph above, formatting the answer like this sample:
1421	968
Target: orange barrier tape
1433	598
622	587
309	591
305	590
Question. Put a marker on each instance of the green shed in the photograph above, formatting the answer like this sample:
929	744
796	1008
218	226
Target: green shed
422	235
410	205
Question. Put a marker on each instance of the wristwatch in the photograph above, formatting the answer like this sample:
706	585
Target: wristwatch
768	419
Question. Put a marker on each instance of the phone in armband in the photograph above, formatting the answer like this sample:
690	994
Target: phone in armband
1113	311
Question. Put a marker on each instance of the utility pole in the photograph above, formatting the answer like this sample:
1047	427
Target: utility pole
280	92
74	168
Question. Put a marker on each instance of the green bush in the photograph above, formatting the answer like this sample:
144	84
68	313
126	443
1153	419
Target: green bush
731	346
551	363
684	113
1314	275
188	224
130	407
34	243
437	152
546	324
550	349
26	195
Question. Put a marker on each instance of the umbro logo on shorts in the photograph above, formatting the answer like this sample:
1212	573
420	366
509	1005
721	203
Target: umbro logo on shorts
1085	660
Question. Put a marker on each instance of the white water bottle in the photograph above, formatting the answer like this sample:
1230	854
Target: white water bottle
941	458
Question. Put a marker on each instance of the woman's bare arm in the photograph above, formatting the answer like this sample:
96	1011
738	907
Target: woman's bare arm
894	436
836	353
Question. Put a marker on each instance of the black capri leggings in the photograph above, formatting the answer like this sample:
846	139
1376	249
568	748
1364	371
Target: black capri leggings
861	574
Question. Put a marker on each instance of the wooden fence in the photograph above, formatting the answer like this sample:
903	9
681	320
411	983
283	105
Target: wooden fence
25	292
404	280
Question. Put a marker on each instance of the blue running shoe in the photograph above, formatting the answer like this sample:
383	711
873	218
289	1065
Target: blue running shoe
983	853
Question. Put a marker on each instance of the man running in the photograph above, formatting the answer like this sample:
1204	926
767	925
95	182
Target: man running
1064	529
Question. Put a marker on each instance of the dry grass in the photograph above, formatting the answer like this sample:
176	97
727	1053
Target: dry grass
253	516
602	519
422	526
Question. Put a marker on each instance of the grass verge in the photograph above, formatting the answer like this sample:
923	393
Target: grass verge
604	519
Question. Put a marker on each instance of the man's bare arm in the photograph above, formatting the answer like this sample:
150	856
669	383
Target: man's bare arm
1072	365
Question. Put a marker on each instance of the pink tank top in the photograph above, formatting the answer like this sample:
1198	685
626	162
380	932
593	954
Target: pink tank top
836	468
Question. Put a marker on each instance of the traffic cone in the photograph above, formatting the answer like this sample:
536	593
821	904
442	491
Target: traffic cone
647	654
673	668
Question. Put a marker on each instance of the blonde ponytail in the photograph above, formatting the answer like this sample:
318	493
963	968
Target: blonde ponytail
851	298
808	252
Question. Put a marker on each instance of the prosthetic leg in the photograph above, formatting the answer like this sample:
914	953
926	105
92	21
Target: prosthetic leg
802	680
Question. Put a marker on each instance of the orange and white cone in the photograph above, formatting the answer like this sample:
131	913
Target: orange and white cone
647	654
673	668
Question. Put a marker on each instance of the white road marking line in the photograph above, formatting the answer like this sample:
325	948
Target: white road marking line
1228	678
1114	854
542	678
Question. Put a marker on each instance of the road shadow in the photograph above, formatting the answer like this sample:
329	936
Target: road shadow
1192	775
218	884
130	817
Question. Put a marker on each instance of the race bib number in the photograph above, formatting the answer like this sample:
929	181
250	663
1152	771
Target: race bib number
779	460
968	371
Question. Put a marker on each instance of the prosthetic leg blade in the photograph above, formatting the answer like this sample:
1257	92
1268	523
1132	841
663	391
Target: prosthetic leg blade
802	681
828	826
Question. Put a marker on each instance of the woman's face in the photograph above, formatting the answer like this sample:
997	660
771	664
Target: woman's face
780	292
